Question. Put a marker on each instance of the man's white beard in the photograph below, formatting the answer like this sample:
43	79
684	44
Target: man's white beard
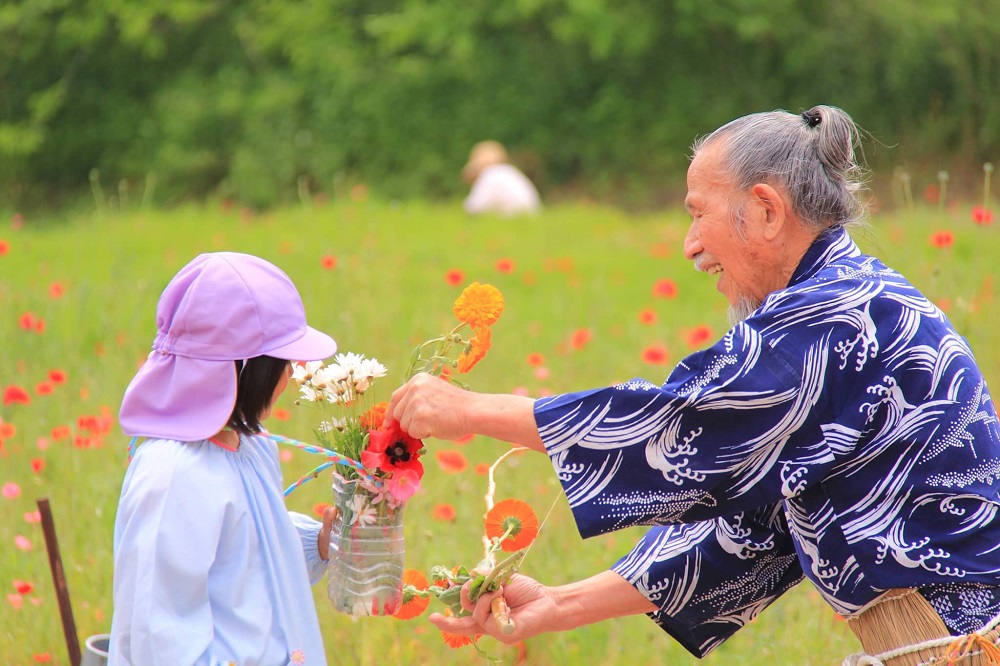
743	308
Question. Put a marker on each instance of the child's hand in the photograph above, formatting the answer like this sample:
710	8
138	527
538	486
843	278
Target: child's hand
323	541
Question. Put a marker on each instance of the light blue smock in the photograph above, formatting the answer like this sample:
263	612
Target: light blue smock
210	567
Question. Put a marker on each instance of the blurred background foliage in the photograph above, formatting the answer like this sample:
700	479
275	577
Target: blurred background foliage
269	101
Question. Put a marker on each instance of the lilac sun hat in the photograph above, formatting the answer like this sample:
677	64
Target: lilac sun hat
221	307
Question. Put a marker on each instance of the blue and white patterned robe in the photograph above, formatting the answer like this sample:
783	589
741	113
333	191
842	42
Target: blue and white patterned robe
843	433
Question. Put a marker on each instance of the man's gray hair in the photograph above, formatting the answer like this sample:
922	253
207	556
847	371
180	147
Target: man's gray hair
810	156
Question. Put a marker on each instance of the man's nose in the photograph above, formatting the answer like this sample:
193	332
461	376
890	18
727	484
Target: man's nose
692	242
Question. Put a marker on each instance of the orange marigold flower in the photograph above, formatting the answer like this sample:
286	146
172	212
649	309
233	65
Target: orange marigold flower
374	417
516	516
478	346
479	305
413	605
455	640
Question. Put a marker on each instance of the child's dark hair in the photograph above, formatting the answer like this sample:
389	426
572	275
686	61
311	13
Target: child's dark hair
254	390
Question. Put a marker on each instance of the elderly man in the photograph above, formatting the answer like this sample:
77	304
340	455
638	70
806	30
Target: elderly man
841	431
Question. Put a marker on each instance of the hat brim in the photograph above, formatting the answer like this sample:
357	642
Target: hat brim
180	398
312	346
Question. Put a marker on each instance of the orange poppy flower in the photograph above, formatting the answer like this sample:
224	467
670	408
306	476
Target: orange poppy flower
698	336
516	516
647	317
505	265
328	262
455	640
413	605
942	239
535	358
375	416
478	346
479	305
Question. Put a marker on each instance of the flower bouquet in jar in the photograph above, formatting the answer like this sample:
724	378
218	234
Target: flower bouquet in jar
376	467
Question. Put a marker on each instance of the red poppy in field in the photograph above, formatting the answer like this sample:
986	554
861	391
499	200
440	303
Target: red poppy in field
390	449
42	658
319	508
4	247
23	587
56	290
57	376
7	430
44	388
505	265
579	338
942	239
60	432
413	605
37	465
444	512
27	321
328	262
647	317
280	414
454	277
655	355
982	216
14	394
10	490
513	521
665	288
535	358
698	336
482	469
451	461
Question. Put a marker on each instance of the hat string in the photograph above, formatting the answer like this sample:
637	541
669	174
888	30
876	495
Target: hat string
333	458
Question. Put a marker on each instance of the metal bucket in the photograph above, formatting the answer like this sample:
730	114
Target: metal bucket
95	650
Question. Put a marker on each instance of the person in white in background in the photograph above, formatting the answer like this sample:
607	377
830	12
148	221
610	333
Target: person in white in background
497	186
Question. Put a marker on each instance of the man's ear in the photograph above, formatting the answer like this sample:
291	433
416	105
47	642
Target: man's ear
774	208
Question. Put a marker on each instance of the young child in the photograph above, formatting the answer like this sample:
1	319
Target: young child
210	567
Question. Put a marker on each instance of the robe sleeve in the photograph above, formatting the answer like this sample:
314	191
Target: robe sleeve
712	577
308	530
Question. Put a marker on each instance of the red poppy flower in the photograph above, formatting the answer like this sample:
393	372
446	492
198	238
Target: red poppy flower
454	277
655	355
14	394
42	658
390	449
23	587
57	376
37	465
451	462
319	508
580	337
444	512
665	288
647	317
280	414
39	325
482	469
4	247
60	432
413	605
56	290
7	430
44	388
329	262
982	216
942	239
27	321
505	265
698	336
514	521
535	358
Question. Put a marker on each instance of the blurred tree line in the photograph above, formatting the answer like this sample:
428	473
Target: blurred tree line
264	101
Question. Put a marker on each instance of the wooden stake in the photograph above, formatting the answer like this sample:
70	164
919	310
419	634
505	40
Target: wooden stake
59	580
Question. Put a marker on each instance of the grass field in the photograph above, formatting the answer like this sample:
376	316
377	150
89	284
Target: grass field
77	317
